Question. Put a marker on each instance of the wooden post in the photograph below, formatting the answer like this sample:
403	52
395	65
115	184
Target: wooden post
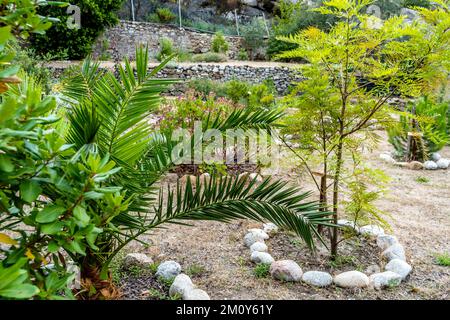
179	13
132	10
237	22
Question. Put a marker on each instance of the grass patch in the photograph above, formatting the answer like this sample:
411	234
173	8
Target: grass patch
195	270
443	259
261	270
158	295
422	179
341	261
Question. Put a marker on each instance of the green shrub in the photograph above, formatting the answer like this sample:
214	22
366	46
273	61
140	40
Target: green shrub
292	18
443	259
209	57
166	49
238	91
262	270
219	44
206	86
165	15
242	55
95	17
254	38
185	110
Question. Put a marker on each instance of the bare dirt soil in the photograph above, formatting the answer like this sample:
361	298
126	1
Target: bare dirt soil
420	218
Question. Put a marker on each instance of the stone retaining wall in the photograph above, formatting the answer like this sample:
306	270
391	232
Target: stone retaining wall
122	39
282	76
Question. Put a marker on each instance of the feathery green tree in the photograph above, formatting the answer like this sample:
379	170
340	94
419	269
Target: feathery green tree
352	71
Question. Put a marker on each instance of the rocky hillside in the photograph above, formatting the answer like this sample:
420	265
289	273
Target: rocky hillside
211	11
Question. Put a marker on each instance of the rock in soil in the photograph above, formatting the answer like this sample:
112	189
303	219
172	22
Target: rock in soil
317	278
400	267
396	251
258	246
261	257
385	279
351	279
371	231
385	241
168	270
286	270
196	294
180	285
137	259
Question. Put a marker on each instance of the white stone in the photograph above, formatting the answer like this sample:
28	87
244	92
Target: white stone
270	228
435	156
137	259
196	294
387	158
251	238
384	241
317	278
286	270
371	230
261	257
258	246
181	284
168	270
430	165
374	268
256	176
443	163
385	279
396	251
259	232
351	279
347	223
400	267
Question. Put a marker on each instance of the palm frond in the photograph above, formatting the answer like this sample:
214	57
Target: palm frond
81	85
227	199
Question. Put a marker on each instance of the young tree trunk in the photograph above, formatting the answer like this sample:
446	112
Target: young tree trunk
334	232
323	197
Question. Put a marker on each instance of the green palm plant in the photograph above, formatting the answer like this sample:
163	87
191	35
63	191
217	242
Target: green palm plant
108	114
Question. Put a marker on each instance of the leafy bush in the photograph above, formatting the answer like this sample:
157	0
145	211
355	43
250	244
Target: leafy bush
185	110
95	17
209	57
162	15
422	130
238	91
165	49
219	44
254	35
251	95
206	86
262	270
292	18
242	55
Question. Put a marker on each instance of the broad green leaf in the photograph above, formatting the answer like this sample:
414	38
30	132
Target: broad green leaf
6	164
52	228
30	190
49	214
22	291
82	217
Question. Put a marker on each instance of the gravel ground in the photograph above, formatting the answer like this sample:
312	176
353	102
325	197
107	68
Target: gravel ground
420	218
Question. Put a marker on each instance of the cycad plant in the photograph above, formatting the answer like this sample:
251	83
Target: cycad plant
422	130
108	115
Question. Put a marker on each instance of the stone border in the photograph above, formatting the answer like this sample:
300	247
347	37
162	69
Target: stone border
182	284
395	271
436	162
